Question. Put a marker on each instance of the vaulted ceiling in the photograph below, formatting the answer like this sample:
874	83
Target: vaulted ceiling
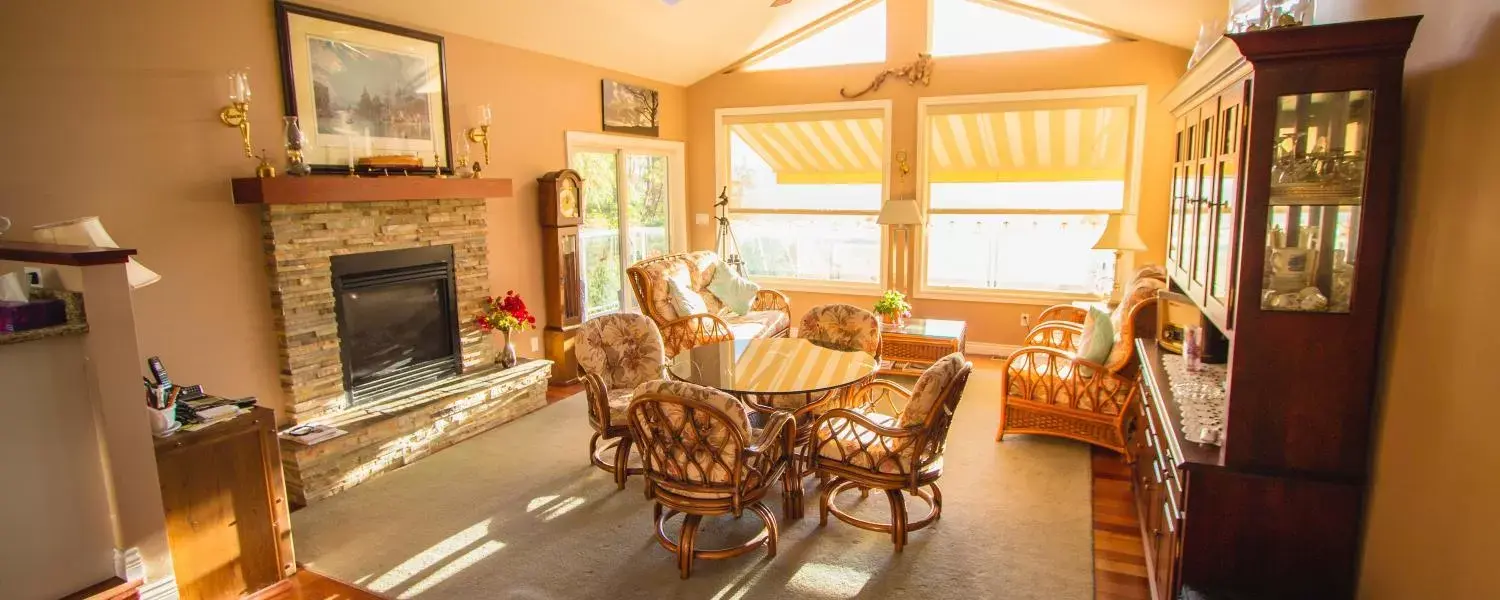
685	42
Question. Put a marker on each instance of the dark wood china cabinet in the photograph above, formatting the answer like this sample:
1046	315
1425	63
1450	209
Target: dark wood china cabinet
1284	186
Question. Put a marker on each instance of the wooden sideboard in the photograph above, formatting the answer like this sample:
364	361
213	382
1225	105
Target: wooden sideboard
227	516
1284	182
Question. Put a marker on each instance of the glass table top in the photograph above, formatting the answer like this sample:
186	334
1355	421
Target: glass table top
933	328
771	366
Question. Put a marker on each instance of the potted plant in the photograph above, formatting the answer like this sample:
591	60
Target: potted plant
505	315
893	307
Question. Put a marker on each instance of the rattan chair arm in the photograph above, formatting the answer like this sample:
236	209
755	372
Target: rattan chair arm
1054	334
596	391
1085	375
692	331
864	398
772	300
858	419
780	427
1065	313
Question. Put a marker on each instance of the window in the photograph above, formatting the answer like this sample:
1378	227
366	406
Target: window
805	185
962	27
858	38
1018	187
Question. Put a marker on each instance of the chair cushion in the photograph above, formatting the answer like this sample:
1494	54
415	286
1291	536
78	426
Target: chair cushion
858	447
1098	337
692	270
759	323
1143	289
738	414
737	293
929	389
623	349
619	400
842	326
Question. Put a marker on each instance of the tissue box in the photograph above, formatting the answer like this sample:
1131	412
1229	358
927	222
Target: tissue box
23	316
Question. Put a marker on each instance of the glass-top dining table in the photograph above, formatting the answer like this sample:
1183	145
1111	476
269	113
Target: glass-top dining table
757	369
771	366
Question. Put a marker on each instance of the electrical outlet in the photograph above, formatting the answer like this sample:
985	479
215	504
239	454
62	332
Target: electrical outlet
34	277
1026	319
536	345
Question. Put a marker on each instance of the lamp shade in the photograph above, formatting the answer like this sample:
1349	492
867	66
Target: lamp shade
900	211
1120	234
88	231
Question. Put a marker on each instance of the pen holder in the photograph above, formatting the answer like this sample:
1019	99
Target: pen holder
164	420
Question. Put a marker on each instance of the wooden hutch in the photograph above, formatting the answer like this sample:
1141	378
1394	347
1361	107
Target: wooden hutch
1284	187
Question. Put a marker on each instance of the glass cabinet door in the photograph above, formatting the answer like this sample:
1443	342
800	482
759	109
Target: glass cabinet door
1179	197
1227	174
1317	191
1203	209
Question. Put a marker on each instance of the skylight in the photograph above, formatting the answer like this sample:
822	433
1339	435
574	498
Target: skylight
858	39
961	27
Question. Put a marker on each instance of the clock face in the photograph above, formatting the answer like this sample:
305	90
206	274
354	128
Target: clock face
567	199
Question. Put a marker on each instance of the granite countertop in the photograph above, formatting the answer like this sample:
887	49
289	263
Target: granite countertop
77	322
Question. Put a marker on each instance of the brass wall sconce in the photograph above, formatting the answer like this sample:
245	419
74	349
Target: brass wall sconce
480	134
237	114
902	164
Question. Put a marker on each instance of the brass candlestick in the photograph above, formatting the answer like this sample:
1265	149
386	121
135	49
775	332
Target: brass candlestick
437	168
237	114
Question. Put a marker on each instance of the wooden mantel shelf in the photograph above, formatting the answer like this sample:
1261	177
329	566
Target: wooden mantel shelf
55	254
335	188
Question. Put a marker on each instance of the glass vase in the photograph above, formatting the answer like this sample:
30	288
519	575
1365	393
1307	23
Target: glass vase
506	358
296	140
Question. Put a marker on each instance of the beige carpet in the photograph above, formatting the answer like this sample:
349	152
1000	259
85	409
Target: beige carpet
518	512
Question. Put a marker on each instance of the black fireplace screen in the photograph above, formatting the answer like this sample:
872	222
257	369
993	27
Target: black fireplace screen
398	323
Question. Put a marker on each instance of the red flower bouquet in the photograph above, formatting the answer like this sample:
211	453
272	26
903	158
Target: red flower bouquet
506	314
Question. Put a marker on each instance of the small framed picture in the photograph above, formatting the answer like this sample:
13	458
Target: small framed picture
631	109
362	89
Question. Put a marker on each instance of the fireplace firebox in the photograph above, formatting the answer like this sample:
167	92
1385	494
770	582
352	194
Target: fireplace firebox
397	318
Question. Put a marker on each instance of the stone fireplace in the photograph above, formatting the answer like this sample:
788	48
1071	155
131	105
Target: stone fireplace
371	300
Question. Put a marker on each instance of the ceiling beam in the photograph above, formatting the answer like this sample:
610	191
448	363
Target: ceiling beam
1060	19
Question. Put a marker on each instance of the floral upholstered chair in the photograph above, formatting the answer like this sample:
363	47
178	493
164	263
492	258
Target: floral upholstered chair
617	353
653	280
701	458
880	445
1050	390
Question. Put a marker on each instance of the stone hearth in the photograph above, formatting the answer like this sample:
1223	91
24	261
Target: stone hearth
299	241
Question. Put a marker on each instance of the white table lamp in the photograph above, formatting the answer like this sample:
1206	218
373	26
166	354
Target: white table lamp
1119	235
88	231
902	213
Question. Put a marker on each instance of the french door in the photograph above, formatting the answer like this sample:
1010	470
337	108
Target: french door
632	210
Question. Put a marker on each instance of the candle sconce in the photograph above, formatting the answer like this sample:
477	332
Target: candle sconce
480	134
237	115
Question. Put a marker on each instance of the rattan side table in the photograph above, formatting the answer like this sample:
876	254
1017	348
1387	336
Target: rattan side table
910	348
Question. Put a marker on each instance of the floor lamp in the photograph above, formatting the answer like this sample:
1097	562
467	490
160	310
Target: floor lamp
1119	235
903	214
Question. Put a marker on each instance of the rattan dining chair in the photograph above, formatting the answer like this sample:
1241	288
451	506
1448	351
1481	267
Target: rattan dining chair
899	451
617	352
701	458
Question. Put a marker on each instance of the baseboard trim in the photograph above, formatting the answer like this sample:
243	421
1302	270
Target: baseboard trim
989	349
161	589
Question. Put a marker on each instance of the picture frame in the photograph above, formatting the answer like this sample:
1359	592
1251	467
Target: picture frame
630	108
363	88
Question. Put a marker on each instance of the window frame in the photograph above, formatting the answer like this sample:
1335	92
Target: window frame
721	181
677	209
1130	206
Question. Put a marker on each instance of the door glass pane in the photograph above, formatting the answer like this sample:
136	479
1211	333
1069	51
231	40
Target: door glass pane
1224	234
600	231
1317	191
646	175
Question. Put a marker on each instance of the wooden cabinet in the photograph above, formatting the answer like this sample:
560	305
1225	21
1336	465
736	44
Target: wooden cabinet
1283	194
226	507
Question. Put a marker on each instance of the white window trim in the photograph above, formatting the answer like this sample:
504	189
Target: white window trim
721	181
1132	191
676	153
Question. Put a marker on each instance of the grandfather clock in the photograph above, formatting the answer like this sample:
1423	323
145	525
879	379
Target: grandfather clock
561	194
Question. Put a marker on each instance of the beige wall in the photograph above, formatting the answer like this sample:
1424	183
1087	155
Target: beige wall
55	529
1126	63
109	109
1431	530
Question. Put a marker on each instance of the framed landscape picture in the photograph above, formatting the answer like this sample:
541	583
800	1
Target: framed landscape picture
361	88
631	109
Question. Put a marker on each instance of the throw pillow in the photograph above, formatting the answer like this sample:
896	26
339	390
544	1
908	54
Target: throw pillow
736	292
1098	337
684	299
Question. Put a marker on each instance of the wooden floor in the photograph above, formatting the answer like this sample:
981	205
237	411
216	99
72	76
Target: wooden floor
1119	560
